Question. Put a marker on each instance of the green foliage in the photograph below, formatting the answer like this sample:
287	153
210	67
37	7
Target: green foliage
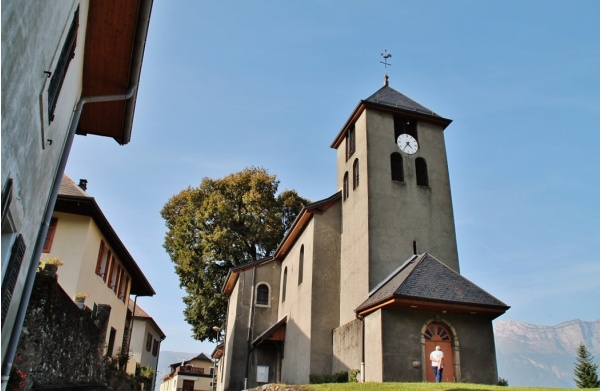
502	382
222	224
353	375
586	371
339	377
145	373
396	386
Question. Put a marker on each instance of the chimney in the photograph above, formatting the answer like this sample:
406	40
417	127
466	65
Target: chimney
83	184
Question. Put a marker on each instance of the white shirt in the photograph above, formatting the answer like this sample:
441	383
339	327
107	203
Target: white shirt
436	358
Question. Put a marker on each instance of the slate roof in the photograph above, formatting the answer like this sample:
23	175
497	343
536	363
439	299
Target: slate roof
388	96
424	278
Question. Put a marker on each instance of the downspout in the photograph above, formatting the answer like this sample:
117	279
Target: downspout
41	238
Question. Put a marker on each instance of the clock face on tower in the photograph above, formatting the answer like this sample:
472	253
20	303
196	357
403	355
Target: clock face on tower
407	144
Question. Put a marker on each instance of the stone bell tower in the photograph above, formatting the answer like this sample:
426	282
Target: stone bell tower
393	172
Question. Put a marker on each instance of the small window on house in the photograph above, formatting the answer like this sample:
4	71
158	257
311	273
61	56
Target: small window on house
301	266
355	170
111	342
155	348
50	235
11	274
60	71
404	125
149	342
421	171
345	190
100	258
110	268
284	285
350	142
263	293
397	167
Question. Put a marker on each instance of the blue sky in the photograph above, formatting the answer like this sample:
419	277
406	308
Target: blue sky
231	84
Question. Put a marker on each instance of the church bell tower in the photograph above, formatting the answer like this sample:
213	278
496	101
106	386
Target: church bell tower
393	172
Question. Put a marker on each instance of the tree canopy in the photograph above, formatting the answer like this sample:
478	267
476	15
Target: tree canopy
222	224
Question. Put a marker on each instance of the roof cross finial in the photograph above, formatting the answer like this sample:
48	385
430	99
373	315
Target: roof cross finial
385	56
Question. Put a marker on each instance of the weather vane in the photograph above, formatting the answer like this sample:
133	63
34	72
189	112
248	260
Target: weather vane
385	56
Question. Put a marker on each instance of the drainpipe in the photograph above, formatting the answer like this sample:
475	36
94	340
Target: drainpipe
41	238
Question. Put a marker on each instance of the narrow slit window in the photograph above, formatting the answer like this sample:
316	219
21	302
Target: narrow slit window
345	190
421	171
397	167
355	174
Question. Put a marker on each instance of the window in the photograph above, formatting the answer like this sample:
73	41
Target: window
155	348
284	285
50	235
263	294
345	190
124	286
111	342
149	342
60	71
109	268
7	191
350	143
404	125
397	167
301	266
355	174
421	170
100	259
11	274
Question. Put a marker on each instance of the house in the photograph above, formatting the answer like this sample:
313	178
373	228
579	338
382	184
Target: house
367	279
97	264
196	374
146	337
68	67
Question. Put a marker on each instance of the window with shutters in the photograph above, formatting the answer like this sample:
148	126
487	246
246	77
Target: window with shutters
155	348
60	71
350	143
149	342
50	235
12	274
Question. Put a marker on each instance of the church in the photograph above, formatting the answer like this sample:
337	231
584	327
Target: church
367	279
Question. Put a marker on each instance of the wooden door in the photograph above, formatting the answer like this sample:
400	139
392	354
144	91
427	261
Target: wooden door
437	334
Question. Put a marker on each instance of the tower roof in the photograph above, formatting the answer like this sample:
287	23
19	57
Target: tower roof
425	283
390	100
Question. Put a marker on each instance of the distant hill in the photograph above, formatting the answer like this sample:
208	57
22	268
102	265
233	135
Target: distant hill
528	355
545	356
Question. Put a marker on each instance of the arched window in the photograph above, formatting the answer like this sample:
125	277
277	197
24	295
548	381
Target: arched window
355	170
350	143
345	190
301	266
397	167
263	294
284	285
421	170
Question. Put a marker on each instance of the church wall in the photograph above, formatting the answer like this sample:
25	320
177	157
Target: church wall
235	355
298	308
373	347
325	288
347	346
265	317
403	212
354	272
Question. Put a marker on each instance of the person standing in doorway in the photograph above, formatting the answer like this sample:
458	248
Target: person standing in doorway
437	363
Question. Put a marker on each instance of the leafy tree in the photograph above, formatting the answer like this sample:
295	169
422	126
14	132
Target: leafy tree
586	371
222	224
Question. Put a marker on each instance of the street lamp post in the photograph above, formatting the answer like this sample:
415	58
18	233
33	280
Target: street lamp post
214	385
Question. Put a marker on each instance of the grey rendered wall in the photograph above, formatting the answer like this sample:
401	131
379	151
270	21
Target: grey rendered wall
347	346
32	37
354	266
325	288
402	212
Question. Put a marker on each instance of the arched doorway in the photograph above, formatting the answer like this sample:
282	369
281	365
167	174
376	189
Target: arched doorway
438	334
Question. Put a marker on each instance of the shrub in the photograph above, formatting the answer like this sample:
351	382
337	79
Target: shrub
353	376
339	377
502	382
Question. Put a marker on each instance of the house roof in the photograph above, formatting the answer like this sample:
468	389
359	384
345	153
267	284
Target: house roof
139	313
72	199
389	100
200	357
425	283
114	49
288	241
